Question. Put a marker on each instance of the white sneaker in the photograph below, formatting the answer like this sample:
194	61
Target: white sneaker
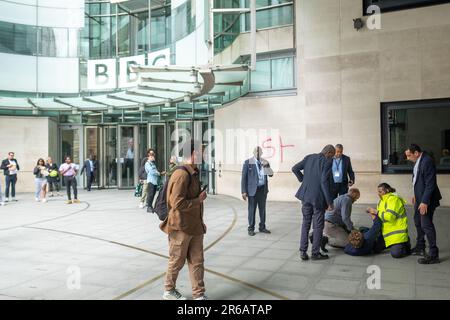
141	205
37	199
203	297
2	203
13	199
173	295
44	200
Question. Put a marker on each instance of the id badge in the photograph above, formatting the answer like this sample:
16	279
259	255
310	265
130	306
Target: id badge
337	174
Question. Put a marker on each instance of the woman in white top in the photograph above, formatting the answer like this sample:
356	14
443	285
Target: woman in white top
41	173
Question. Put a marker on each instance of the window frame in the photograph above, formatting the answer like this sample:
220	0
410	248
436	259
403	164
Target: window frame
402	105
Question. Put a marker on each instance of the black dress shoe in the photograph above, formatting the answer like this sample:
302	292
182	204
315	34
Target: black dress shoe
304	256
150	210
323	244
429	260
418	252
319	256
251	233
264	231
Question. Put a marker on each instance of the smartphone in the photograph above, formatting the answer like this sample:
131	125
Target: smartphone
204	188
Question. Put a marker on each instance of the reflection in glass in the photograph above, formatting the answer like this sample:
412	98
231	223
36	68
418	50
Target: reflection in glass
428	127
127	154
110	164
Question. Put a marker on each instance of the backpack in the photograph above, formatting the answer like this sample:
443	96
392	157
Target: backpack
138	190
161	201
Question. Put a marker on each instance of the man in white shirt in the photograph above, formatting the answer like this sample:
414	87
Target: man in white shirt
10	167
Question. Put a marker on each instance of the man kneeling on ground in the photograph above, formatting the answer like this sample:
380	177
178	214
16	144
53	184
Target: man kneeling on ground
338	223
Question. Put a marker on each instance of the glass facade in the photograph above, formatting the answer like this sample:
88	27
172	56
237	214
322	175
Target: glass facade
184	20
111	31
38	41
269	13
274	71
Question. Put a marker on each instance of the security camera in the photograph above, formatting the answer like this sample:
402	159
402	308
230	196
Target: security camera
358	23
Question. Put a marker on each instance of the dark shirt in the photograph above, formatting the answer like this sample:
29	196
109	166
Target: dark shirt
371	237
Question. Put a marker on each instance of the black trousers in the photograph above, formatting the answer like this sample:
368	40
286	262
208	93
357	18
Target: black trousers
71	182
151	191
90	179
338	189
258	200
425	227
316	217
10	180
53	184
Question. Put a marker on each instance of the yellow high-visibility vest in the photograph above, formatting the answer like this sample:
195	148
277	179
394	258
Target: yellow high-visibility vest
392	212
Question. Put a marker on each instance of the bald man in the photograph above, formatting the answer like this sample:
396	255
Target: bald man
254	187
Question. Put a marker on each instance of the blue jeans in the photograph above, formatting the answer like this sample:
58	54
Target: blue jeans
39	183
10	180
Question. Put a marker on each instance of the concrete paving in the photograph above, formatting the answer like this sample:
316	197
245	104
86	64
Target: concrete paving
107	248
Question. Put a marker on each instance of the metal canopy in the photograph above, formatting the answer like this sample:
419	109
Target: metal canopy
157	86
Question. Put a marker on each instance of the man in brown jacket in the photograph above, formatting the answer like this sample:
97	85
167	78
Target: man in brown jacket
184	226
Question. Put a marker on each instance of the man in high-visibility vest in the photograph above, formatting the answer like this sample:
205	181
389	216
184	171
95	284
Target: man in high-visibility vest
391	210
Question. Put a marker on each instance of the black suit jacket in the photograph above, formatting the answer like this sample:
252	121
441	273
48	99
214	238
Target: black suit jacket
315	179
426	189
347	170
87	167
4	167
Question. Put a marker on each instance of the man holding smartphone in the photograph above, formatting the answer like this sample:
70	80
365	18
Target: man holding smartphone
184	225
255	186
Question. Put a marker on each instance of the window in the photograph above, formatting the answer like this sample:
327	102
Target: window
274	71
392	5
270	14
18	38
423	122
183	20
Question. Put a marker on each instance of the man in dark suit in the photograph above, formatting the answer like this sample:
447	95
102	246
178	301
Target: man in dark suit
255	186
342	171
315	195
426	200
91	166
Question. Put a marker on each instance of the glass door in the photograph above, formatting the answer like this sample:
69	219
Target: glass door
108	157
71	138
157	139
91	148
128	164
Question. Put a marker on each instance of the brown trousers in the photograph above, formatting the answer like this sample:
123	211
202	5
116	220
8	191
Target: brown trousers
337	236
181	247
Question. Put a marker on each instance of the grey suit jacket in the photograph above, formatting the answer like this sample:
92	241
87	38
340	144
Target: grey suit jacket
315	179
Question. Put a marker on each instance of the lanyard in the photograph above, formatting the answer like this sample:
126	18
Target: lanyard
337	163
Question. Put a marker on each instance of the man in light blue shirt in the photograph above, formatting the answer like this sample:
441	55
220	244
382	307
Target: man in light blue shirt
342	173
152	181
90	165
255	186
